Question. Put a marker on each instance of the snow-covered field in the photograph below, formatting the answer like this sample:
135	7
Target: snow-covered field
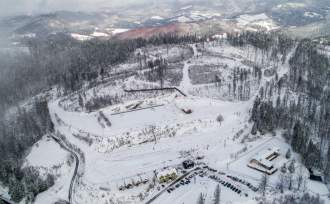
48	157
80	37
256	22
98	34
140	143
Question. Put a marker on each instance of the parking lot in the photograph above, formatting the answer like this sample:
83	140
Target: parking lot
199	178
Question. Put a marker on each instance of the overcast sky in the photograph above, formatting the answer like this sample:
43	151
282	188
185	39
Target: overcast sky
12	7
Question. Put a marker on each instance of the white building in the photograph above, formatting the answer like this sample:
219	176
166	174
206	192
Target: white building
262	161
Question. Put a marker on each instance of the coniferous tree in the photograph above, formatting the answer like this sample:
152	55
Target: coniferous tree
288	154
291	167
217	195
201	199
263	184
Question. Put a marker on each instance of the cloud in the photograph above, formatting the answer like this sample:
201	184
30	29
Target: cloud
12	7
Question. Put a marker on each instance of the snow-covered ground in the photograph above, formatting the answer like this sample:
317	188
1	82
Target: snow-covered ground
140	143
48	157
4	192
81	37
119	30
157	18
185	83
256	22
99	34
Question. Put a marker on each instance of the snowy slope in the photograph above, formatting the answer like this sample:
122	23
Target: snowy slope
48	157
140	143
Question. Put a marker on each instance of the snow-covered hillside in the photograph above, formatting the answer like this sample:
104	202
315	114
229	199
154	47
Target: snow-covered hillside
48	157
124	144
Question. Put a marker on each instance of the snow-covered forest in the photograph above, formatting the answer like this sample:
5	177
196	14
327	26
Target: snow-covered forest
236	94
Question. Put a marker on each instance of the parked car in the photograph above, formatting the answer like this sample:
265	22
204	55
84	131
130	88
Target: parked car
213	170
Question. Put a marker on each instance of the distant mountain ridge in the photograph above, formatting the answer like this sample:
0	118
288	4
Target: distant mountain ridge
156	17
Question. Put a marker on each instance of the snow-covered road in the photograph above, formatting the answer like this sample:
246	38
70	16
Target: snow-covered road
185	83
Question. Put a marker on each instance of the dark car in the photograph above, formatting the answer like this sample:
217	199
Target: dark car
213	170
188	164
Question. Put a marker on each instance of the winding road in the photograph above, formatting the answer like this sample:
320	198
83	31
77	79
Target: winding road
65	147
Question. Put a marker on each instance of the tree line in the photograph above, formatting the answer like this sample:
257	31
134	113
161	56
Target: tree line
17	135
299	103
